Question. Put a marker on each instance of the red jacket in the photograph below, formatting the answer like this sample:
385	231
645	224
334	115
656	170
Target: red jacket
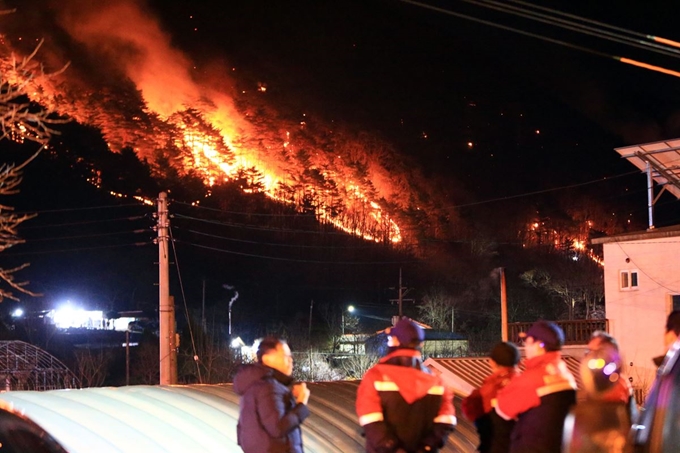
401	404
540	399
483	399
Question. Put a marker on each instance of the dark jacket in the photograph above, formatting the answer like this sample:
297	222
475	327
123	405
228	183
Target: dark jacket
403	407
269	417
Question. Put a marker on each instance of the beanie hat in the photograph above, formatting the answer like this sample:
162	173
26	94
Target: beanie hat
505	354
548	333
408	332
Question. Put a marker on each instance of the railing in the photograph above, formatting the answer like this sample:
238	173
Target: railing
575	332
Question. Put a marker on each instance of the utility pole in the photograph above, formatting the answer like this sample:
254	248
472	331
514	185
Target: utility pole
504	306
166	307
401	299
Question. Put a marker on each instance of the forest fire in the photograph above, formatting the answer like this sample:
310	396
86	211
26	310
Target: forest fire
154	106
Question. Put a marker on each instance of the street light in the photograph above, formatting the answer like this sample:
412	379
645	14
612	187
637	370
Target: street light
350	309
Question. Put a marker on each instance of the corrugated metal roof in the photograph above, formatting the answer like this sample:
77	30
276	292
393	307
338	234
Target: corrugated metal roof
465	374
190	418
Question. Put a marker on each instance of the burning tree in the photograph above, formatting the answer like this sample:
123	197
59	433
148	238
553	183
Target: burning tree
20	121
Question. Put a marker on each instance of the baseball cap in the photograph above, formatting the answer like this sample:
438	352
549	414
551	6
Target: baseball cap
408	332
548	333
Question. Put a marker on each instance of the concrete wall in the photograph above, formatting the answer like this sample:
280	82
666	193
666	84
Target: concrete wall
637	316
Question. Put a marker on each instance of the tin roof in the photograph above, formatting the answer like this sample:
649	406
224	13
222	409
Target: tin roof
465	374
190	418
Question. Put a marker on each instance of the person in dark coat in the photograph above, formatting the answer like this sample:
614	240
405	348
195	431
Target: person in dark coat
540	398
402	406
271	409
494	431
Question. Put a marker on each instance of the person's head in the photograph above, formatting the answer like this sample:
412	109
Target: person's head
600	369
600	338
672	328
504	354
542	337
406	333
275	353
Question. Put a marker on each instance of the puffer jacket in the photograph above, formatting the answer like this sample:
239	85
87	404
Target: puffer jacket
269	417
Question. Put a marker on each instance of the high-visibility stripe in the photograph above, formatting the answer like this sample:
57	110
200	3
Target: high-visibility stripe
385	386
436	390
502	414
448	419
371	418
554	388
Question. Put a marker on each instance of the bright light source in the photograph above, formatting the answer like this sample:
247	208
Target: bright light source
18	313
350	309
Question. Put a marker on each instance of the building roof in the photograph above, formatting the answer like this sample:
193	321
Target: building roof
465	374
196	417
656	233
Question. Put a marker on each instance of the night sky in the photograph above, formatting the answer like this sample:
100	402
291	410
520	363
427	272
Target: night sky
491	113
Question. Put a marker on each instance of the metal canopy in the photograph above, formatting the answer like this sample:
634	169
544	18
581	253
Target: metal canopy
661	162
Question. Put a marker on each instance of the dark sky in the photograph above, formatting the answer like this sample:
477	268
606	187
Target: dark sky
539	115
432	82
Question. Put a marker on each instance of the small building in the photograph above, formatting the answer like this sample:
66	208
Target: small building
642	286
438	343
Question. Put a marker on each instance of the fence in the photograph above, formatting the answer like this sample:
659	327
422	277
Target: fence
575	332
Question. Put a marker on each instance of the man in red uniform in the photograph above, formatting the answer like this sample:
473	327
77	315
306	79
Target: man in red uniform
401	405
539	398
494	431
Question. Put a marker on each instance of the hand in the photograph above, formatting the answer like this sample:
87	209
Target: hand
301	393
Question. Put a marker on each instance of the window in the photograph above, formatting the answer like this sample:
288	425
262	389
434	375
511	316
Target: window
629	280
675	300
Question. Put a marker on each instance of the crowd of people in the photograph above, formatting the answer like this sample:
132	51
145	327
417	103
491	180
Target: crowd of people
403	407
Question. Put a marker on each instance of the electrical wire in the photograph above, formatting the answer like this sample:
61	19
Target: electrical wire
87	222
276	258
85	236
79	249
620	59
186	307
251	227
89	208
580	28
254	214
527	194
245	241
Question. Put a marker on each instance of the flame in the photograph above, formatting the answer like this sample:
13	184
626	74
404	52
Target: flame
222	142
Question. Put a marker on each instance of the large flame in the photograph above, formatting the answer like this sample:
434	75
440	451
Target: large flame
221	141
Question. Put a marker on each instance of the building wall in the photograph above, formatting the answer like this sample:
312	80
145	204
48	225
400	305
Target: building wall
637	316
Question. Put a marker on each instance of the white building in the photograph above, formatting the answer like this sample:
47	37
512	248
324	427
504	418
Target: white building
642	286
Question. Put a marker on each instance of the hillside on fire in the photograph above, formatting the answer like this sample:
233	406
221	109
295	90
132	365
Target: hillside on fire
301	210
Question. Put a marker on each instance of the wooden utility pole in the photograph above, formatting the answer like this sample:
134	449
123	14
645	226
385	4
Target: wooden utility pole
166	306
401	299
504	306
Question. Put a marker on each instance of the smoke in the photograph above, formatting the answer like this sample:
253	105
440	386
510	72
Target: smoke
233	299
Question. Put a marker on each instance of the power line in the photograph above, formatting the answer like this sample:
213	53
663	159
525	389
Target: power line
89	208
276	258
278	245
79	249
255	214
85	236
580	28
86	222
527	194
620	59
